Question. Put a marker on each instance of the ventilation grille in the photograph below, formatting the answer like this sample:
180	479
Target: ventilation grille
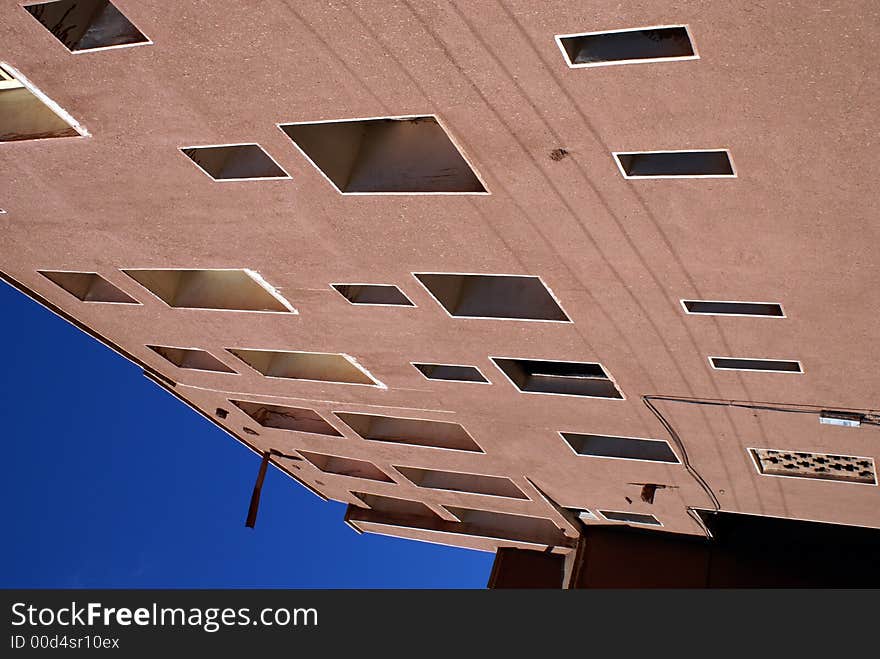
824	466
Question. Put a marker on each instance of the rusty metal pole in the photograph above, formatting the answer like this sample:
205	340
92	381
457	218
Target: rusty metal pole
255	497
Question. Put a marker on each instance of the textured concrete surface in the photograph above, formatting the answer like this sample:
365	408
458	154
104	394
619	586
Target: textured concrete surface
790	90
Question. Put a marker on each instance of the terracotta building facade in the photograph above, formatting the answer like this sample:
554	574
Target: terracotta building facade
494	274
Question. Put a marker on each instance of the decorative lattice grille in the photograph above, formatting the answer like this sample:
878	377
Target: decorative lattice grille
850	468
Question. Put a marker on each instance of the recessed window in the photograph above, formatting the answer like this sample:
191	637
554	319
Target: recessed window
87	24
822	466
228	290
634	45
413	432
630	517
715	308
395	506
624	448
373	294
283	417
235	162
334	464
474	524
540	376
88	287
453	481
403	155
770	365
27	114
676	164
451	372
314	366
510	297
191	359
505	525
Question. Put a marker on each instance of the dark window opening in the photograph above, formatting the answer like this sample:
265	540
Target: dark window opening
627	448
493	296
406	155
86	24
686	164
566	378
451	372
657	43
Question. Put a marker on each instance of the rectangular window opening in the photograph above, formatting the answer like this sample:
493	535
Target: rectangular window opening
191	359
88	287
373	294
624	448
224	290
27	114
339	466
507	297
676	164
479	524
635	45
412	432
86	24
314	366
505	525
453	481
403	155
769	365
235	162
283	417
630	517
821	466
451	372
717	308
563	378
396	507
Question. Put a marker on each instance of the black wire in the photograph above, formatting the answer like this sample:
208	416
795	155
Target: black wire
866	419
684	456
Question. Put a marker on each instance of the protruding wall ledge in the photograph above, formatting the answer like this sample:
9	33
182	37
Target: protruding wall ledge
478	529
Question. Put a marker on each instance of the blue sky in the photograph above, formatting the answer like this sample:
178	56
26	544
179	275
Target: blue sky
109	482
